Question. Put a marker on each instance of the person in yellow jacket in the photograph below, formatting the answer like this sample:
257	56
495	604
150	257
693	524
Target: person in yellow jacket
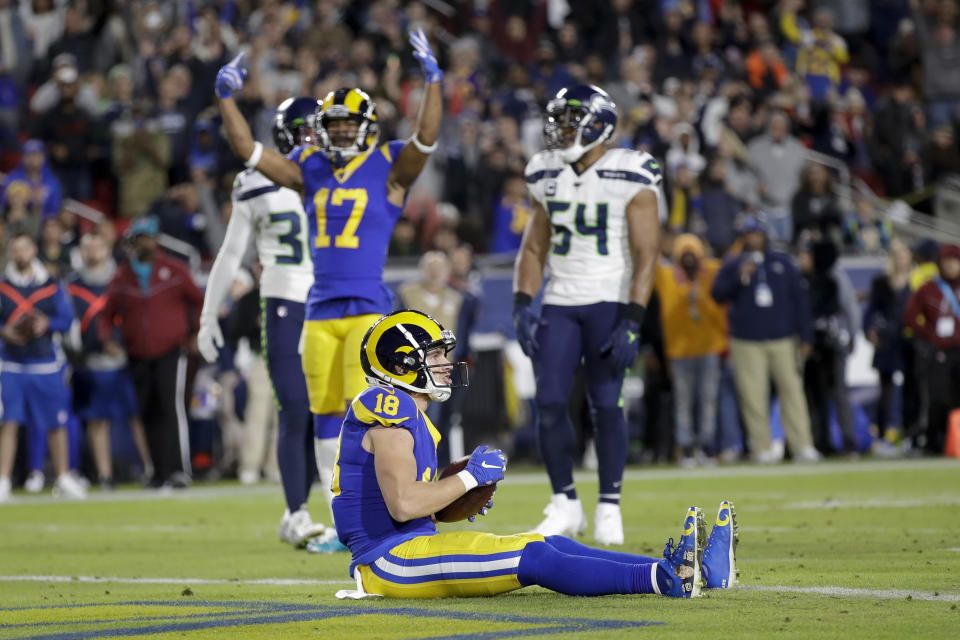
694	334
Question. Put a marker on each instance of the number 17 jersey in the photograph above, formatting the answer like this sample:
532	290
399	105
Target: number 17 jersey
589	258
350	225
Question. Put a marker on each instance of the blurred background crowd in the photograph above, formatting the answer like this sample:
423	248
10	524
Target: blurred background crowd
831	125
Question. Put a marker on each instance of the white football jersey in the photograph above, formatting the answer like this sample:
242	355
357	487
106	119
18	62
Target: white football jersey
590	259
276	217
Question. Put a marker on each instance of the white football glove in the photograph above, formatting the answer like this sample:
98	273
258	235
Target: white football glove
209	339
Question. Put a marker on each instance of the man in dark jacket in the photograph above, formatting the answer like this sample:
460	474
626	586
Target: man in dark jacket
156	304
769	312
933	314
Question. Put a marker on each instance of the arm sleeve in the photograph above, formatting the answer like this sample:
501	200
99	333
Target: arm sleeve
228	260
727	282
62	318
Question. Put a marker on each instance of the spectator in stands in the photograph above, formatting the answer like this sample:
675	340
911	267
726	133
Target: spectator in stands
102	387
940	46
821	52
933	314
157	305
836	323
769	313
694	333
53	254
33	307
815	207
70	134
19	212
897	139
141	155
258	451
720	208
882	323
45	195
778	160
510	217
940	154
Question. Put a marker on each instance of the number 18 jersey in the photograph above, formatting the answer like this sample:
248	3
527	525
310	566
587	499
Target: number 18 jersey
351	223
589	259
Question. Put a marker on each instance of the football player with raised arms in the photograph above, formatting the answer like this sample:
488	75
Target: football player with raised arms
596	224
274	216
353	190
386	491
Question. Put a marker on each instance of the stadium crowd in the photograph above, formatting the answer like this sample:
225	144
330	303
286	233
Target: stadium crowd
749	105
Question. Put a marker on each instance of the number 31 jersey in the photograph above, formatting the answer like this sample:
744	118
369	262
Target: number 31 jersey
351	223
589	259
275	215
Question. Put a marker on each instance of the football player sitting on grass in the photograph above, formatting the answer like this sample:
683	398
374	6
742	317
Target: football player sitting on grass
385	497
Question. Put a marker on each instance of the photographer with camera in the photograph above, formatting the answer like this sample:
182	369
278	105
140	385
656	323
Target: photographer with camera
769	313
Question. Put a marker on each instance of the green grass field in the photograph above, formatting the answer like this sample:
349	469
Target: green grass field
868	549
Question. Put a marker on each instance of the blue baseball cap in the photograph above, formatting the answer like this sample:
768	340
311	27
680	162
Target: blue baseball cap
146	226
751	224
33	146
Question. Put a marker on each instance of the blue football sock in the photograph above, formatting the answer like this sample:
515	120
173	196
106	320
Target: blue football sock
571	547
612	446
556	440
295	457
327	426
575	575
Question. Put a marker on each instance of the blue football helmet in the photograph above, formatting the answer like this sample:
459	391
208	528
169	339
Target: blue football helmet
578	119
294	124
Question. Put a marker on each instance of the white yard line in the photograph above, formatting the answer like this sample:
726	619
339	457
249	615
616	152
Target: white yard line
273	582
878	594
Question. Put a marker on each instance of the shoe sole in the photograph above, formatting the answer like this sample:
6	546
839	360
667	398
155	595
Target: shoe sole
700	542
734	578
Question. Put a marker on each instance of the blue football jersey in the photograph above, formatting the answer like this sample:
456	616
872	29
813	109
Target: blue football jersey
350	222
363	521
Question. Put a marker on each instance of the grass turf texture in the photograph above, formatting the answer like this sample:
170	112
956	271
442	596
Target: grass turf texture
840	550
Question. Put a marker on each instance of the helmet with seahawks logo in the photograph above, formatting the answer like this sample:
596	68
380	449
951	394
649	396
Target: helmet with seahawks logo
348	104
394	352
589	111
294	122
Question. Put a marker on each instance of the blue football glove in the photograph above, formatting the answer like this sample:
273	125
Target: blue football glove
230	78
423	53
623	345
526	323
486	465
483	511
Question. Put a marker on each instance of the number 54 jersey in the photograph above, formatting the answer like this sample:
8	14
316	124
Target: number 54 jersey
351	223
589	258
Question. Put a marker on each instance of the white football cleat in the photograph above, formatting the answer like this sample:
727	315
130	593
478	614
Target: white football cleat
607	524
34	482
67	486
4	489
565	517
300	528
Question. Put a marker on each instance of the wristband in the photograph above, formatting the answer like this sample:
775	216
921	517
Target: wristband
635	312
254	158
521	299
422	147
469	482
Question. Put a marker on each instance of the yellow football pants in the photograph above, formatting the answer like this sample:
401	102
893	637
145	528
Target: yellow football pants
331	361
454	564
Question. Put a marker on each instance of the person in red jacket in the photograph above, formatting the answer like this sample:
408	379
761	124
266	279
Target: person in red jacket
156	304
933	312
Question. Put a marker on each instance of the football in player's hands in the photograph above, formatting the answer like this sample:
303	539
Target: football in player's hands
470	503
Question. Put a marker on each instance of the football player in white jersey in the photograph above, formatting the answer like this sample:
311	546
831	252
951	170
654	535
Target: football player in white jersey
275	216
595	223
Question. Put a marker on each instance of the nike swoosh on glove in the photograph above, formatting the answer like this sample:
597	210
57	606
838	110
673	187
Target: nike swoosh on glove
486	465
623	345
423	53
230	78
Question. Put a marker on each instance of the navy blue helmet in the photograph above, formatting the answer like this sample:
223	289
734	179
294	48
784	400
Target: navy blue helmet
294	123
578	119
